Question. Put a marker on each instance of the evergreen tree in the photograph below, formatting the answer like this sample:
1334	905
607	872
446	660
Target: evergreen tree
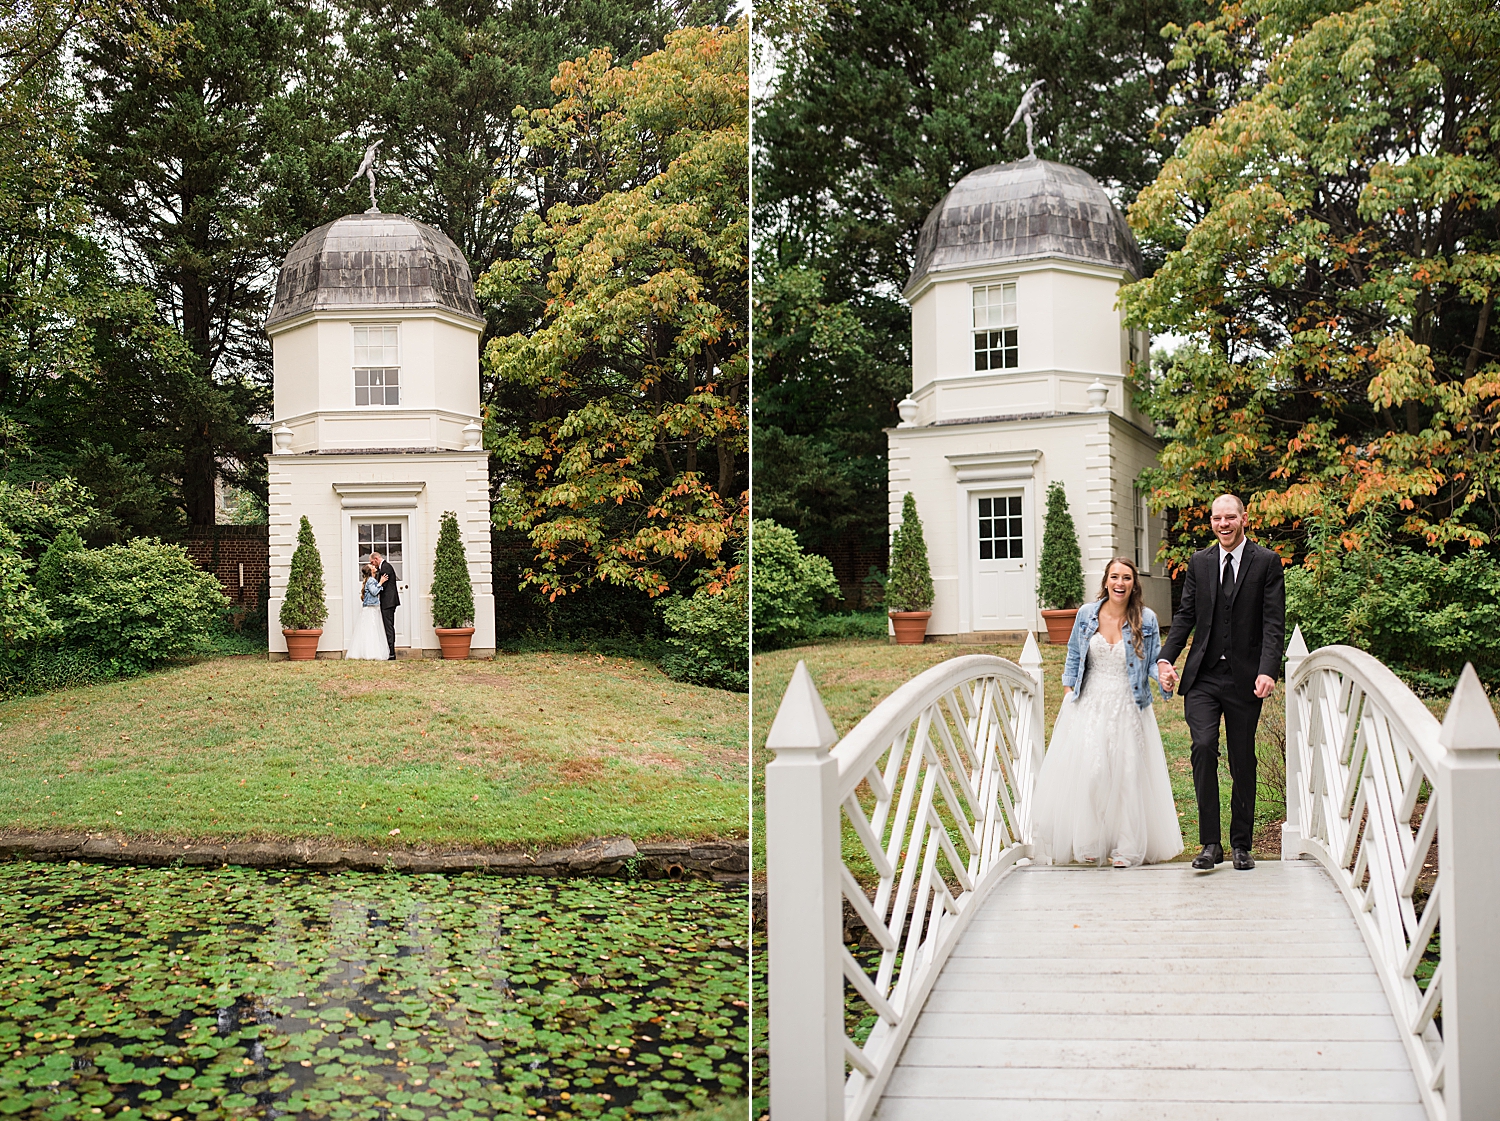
909	587
304	608
1060	575
452	592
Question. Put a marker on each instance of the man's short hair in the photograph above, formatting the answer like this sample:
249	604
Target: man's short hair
1238	501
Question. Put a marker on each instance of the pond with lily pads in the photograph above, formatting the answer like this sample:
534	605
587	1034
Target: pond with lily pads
172	994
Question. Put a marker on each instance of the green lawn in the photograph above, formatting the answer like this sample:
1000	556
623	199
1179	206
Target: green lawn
854	676
527	750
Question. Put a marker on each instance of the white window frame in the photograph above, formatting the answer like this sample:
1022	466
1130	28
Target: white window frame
1142	528
390	347
993	318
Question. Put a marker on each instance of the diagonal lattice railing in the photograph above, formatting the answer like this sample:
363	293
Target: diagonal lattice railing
1374	782
912	818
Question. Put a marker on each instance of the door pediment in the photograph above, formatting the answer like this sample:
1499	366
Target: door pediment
983	467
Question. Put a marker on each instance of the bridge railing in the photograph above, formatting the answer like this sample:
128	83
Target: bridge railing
1404	813
926	801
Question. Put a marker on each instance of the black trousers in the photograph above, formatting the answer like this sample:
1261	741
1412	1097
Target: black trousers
1214	696
388	616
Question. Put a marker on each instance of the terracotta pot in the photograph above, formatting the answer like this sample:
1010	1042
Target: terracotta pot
910	626
454	641
302	646
1060	625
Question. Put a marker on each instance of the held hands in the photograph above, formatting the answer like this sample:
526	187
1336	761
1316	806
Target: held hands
1167	675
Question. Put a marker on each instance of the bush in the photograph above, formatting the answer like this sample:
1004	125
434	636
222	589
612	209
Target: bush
1060	582
452	592
304	608
709	635
851	624
789	585
134	606
24	619
1421	614
909	586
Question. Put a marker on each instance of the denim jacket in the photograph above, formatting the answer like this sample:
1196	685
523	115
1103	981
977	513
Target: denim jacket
1140	670
372	591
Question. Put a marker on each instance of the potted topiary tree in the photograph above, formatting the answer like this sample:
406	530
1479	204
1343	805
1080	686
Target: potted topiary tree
1060	583
908	590
304	609
452	593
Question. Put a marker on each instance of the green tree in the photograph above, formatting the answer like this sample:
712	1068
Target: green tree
1331	260
630	467
875	111
203	175
452	592
909	587
1060	571
788	585
304	608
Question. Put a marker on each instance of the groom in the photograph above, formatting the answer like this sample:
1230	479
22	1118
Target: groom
1234	605
389	599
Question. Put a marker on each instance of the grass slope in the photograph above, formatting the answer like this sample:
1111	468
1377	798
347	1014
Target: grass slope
526	750
853	677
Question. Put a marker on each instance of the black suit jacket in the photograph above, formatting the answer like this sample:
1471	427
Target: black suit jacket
389	597
1257	615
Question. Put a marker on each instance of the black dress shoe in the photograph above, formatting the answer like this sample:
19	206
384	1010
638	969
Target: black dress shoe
1243	860
1210	856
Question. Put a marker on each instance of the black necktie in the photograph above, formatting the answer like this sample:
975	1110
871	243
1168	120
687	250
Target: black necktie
1226	585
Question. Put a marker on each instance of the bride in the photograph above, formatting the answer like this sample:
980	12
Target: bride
1103	793
368	641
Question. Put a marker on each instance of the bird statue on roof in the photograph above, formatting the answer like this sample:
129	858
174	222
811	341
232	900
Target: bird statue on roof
367	167
1023	112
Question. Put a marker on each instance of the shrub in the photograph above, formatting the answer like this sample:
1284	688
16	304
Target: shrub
909	586
789	585
304	608
24	619
1060	582
1421	614
709	635
136	605
452	592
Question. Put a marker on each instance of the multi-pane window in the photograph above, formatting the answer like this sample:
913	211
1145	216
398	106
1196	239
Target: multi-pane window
377	367
383	538
995	346
1000	528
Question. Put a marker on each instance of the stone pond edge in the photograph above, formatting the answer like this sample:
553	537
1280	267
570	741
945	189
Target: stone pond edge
723	861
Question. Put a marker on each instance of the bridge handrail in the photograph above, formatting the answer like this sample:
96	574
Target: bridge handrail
1361	751
961	744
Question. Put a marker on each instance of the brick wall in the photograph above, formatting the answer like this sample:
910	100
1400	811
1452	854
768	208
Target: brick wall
239	555
852	558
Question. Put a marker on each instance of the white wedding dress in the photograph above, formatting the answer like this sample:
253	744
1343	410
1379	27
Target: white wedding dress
1103	794
368	642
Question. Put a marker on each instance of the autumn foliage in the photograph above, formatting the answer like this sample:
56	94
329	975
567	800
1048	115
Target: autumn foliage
1330	245
632	469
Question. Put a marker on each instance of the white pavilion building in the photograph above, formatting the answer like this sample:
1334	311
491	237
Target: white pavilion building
375	335
1020	362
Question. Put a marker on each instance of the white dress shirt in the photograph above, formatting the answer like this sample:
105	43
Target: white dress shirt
1238	553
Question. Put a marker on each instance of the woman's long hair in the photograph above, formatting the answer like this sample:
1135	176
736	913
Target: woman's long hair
1132	605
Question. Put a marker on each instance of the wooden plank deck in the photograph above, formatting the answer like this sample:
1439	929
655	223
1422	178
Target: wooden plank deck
1157	993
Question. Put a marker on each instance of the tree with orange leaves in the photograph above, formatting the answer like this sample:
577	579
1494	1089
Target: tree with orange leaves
631	469
1332	257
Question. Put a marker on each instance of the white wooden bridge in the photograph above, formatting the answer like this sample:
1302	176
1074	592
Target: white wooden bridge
1305	988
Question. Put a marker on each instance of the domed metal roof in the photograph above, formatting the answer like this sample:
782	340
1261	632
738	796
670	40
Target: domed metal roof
369	262
1021	211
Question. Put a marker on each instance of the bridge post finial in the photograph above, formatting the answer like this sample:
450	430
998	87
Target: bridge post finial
1291	829
804	906
1468	789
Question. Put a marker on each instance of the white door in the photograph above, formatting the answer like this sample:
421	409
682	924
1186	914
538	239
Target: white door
388	538
1003	590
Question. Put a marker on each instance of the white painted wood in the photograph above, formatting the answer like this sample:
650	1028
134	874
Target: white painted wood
935	785
1469	804
991	1109
803	908
1233	1006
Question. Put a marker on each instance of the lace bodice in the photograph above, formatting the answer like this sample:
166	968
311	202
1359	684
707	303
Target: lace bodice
1106	675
